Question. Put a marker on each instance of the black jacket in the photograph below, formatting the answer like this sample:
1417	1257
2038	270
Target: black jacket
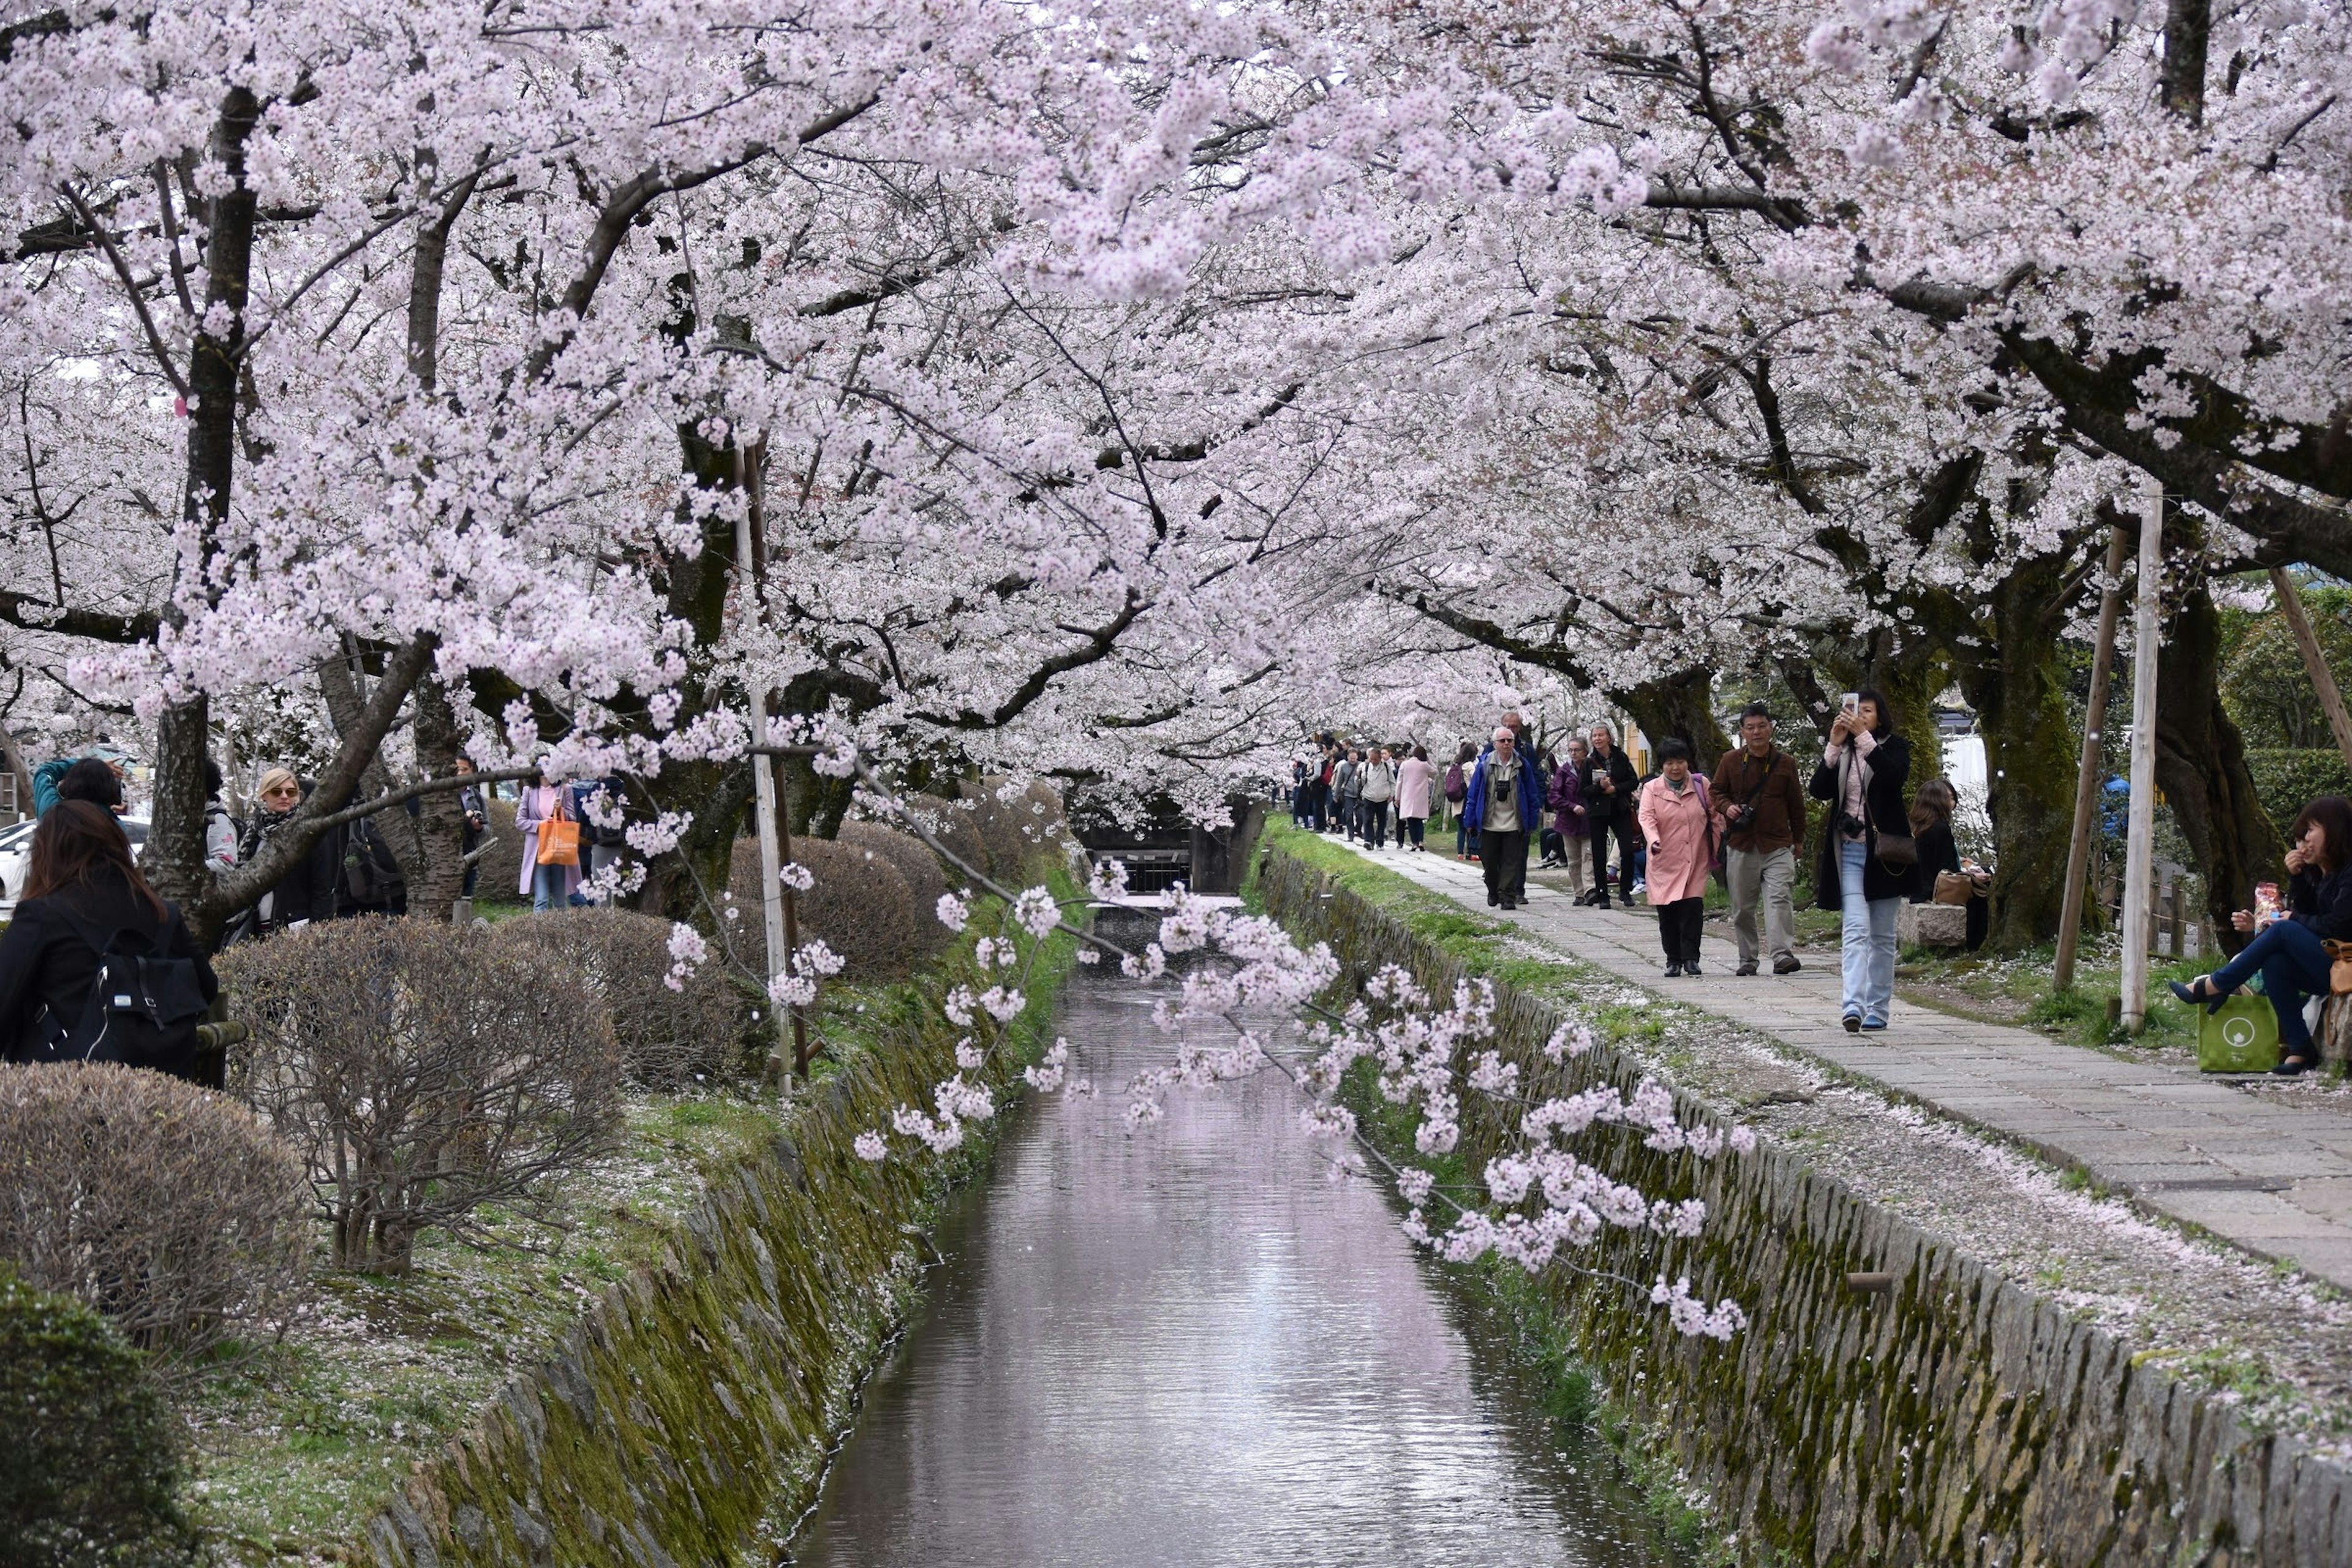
308	891
1599	804
47	964
2325	904
1887	811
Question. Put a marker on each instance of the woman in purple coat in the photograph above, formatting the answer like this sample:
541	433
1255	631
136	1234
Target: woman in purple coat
1568	816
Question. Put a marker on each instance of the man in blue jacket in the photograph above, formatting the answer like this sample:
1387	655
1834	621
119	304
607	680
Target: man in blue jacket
1504	804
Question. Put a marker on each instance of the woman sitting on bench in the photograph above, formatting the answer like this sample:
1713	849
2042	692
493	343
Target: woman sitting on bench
2290	952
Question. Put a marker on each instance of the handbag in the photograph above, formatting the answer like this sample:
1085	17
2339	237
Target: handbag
2339	968
1954	887
1897	852
559	838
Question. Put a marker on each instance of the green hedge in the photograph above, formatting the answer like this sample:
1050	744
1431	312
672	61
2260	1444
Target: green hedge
2286	780
89	1460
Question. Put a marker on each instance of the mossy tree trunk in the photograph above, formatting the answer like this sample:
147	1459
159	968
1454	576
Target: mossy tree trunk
2030	751
1681	704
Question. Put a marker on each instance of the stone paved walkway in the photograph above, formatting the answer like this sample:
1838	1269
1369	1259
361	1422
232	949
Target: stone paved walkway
2274	1179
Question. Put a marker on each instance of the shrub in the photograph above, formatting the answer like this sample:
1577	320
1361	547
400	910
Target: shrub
913	860
2285	781
859	908
500	870
90	1464
423	1070
956	825
669	1040
165	1205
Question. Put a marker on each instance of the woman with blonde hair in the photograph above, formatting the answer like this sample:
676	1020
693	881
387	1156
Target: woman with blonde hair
307	891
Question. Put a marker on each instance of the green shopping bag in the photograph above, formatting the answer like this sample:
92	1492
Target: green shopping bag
2243	1036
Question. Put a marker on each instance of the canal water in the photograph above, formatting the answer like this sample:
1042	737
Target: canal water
1193	1347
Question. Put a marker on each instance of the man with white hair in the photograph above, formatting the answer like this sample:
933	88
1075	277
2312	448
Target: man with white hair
1505	805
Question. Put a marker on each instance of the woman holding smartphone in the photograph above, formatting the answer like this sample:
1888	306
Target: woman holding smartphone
2290	952
1867	861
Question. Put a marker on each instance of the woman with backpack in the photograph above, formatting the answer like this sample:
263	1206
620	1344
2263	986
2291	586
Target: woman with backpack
1457	790
95	967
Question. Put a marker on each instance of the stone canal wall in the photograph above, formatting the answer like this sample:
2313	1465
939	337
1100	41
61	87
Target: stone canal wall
699	1398
1959	1418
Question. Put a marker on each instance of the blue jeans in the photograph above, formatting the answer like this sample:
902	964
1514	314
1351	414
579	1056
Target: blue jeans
2292	963
1867	942
547	887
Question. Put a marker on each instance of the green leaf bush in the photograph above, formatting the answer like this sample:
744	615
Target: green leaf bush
89	1462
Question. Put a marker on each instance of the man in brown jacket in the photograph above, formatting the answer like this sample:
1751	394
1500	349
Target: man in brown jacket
1759	801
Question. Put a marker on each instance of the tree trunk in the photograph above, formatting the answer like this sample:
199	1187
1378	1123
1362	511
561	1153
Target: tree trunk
439	879
2200	766
1681	704
2019	696
174	857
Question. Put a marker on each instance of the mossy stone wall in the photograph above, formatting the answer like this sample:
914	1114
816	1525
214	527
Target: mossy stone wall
1959	1419
694	1400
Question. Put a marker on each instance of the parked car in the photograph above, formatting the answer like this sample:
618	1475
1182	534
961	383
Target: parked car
16	856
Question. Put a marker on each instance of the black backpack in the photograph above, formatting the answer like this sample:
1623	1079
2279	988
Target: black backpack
143	1008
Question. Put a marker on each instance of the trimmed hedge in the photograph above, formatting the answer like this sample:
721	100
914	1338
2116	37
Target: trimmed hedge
2286	780
908	855
171	1208
89	1463
669	1040
861	909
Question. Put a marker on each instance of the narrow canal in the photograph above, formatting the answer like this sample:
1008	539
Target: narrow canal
1193	1347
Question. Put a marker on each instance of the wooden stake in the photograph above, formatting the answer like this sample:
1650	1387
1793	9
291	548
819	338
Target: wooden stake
763	780
2313	660
2140	853
777	808
2087	780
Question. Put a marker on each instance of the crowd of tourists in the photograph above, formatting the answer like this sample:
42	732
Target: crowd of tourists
95	966
1584	809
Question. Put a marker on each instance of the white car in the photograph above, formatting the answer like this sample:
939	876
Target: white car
16	856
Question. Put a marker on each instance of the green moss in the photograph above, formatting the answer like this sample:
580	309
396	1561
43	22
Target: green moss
670	1243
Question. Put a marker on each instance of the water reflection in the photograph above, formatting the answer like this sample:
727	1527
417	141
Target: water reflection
1192	1348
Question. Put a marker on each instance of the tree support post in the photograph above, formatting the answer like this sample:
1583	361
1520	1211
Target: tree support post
2140	839
2087	779
2322	679
763	778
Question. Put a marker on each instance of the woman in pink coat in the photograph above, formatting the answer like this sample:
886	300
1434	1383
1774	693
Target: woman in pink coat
1678	826
548	887
1414	782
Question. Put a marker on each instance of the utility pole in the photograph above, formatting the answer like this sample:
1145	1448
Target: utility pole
2331	698
2087	778
2140	842
763	778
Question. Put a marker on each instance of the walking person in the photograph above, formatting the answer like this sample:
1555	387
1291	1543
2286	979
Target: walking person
1566	798
1868	859
1457	796
1608	787
2290	952
1761	803
1377	787
1348	787
477	822
1504	804
1416	782
1678	825
550	886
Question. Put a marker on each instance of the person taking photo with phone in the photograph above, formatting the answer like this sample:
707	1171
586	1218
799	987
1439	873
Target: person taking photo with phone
1868	855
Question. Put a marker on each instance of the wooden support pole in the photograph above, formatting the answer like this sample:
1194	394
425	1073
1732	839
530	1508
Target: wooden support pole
2331	698
763	779
2139	852
2087	779
775	804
